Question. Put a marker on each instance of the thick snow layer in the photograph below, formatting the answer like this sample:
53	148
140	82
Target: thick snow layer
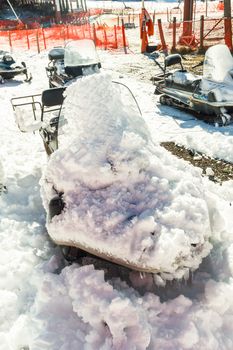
45	305
124	195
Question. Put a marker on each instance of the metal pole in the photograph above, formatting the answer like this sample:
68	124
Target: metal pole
227	23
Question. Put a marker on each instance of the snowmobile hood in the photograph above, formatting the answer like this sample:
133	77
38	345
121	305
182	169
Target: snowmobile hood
218	64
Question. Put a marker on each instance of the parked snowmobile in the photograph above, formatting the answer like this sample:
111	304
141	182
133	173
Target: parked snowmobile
209	97
105	189
9	68
66	64
78	58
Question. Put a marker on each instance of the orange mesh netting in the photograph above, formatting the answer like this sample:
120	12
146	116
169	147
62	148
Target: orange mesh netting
44	38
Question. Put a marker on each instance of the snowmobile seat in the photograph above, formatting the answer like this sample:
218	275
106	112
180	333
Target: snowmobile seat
52	98
184	80
57	53
172	60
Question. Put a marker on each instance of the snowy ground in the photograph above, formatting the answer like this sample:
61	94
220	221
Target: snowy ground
47	304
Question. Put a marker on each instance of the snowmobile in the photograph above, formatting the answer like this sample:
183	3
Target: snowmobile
210	96
104	188
9	68
66	63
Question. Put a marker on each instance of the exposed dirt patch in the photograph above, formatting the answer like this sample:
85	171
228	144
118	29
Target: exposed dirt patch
216	169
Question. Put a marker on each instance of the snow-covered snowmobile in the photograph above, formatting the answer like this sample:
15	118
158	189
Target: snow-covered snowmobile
67	63
9	68
108	190
210	96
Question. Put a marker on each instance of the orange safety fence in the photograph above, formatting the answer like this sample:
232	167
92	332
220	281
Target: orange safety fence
45	38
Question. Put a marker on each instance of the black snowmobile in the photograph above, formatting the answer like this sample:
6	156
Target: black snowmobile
66	64
9	68
210	96
76	59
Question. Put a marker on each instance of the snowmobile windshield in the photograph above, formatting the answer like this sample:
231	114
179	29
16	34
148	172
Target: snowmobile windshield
80	53
218	64
100	110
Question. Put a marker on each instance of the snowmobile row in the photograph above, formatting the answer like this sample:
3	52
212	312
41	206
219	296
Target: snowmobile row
208	97
9	68
101	190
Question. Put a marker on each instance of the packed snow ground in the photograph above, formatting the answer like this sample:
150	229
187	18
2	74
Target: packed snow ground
47	304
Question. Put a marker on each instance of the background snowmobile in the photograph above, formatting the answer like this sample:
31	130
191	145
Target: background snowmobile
66	63
208	97
9	68
76	59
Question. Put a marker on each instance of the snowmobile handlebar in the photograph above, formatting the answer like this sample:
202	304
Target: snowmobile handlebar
198	64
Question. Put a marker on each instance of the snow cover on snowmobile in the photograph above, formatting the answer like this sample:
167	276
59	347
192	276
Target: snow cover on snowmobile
76	59
209	96
9	68
110	191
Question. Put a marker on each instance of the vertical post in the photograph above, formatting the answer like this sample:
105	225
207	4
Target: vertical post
57	11
94	34
44	39
143	30
82	5
28	43
123	35
154	17
37	41
89	30
228	32
85	5
67	31
71	7
105	38
227	23
83	31
163	42
115	34
202	33
188	17
174	34
10	42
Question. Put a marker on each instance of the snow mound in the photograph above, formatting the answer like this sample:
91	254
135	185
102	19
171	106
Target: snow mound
125	197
